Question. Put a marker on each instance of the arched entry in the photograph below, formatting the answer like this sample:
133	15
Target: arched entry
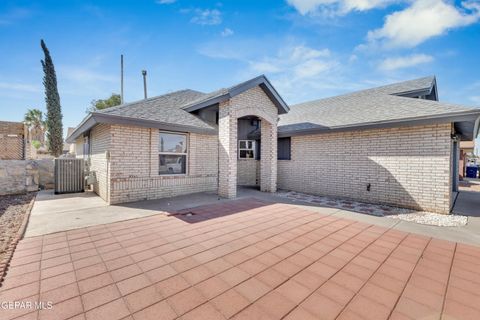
256	104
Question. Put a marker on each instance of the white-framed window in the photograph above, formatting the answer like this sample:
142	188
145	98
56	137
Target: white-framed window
172	153
246	149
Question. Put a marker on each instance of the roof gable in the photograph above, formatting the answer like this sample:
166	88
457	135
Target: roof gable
227	93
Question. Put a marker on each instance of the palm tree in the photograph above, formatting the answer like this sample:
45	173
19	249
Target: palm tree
36	125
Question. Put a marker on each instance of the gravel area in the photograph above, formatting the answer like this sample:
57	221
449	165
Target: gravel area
430	218
421	217
12	211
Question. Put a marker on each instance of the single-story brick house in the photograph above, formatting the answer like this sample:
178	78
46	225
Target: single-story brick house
395	144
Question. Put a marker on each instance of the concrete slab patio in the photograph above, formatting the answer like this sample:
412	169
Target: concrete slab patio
54	213
246	259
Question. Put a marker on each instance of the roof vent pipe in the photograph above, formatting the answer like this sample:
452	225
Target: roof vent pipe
144	74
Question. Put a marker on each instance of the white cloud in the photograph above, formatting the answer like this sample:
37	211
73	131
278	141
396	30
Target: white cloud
298	71
20	87
396	63
84	75
227	32
14	15
166	1
300	62
337	7
207	17
475	99
423	20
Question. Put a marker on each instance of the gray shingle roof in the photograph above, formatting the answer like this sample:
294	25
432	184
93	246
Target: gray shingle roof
367	107
376	106
400	88
165	108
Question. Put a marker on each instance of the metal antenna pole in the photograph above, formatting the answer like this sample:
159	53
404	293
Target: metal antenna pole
144	73
121	79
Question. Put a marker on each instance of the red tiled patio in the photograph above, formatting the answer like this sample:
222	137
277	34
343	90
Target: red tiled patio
243	259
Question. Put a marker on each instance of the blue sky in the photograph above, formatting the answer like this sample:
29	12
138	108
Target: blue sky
309	49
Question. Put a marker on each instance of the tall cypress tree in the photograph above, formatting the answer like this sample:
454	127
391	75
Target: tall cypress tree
54	110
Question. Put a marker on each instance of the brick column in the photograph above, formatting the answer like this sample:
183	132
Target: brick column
227	136
268	161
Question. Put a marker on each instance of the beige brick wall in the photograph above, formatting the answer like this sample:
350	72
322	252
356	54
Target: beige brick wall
100	141
247	170
134	166
407	167
253	102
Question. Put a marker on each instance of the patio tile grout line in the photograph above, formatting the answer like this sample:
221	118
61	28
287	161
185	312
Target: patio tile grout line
116	286
356	255
324	215
249	245
215	237
409	277
38	295
182	271
126	228
147	249
333	232
117	240
76	283
195	235
190	285
448	282
168	219
358	233
371	276
220	225
65	232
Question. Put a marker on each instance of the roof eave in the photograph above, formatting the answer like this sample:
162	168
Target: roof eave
87	123
97	118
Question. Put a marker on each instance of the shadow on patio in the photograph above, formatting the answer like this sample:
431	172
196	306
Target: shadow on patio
217	210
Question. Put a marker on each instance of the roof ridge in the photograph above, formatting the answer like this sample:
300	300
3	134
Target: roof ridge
146	100
372	91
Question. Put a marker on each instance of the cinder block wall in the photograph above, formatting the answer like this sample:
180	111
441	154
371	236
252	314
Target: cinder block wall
408	167
12	141
134	165
18	176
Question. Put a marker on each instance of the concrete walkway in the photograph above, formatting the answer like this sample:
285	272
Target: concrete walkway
55	213
242	259
467	204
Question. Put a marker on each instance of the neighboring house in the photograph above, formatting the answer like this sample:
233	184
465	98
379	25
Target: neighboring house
69	148
14	143
393	145
466	155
